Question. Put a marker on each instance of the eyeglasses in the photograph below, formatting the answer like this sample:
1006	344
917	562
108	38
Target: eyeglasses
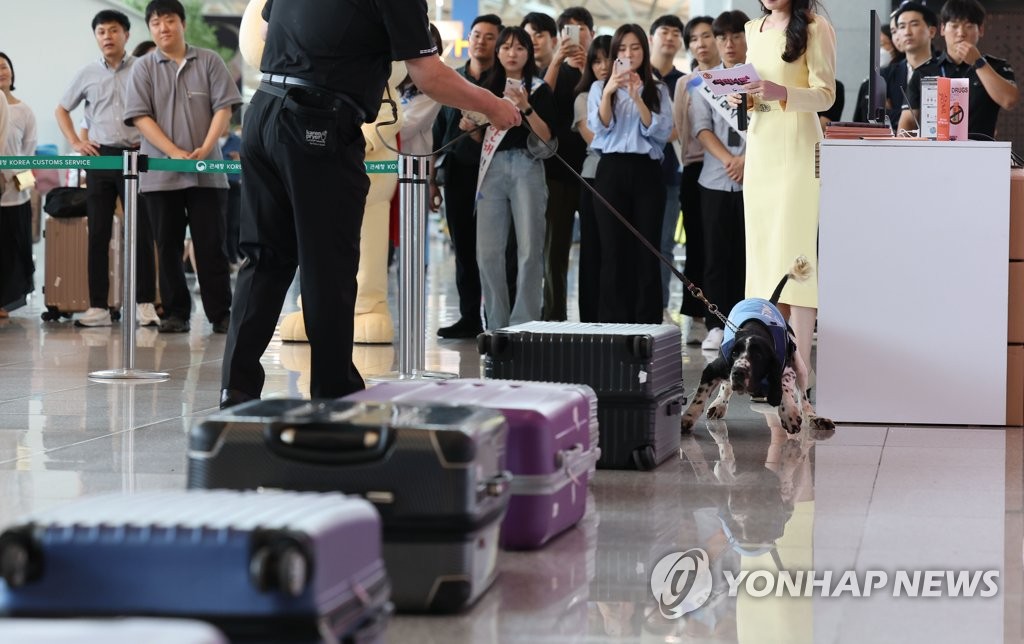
733	38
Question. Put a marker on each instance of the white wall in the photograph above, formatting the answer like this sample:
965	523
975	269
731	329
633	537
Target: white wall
48	42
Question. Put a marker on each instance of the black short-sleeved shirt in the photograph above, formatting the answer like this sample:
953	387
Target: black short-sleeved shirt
571	145
345	46
983	110
670	162
542	100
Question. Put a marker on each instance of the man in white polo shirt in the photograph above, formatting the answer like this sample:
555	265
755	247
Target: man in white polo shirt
101	86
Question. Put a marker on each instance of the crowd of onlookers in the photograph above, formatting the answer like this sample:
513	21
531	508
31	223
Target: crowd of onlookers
610	112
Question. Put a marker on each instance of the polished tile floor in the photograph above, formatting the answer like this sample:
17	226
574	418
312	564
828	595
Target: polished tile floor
871	498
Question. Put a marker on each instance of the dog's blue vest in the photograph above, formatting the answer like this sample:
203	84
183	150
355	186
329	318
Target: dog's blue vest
763	311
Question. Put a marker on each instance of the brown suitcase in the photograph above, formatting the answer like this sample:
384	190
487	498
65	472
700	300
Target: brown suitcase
66	290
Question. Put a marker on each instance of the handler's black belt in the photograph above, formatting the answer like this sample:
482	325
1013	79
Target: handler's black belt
279	85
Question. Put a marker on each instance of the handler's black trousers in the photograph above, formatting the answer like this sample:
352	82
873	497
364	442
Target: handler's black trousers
303	192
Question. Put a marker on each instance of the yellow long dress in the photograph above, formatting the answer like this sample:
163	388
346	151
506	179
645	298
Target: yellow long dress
780	193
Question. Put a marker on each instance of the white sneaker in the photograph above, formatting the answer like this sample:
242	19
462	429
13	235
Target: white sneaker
94	317
694	330
714	340
145	314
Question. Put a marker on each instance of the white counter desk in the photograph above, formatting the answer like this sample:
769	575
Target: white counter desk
912	282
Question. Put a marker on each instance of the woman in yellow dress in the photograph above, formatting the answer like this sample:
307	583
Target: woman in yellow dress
793	49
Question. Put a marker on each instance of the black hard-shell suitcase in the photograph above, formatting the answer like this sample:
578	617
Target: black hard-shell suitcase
436	473
262	567
615	360
640	433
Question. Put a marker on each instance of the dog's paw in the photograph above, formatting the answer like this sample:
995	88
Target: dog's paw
686	424
717	411
821	428
790	421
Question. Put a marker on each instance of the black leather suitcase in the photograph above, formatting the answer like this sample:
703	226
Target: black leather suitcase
436	474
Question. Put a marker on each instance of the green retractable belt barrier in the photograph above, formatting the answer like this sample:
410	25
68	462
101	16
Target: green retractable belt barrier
155	164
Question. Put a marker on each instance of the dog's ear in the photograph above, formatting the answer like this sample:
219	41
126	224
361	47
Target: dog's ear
774	378
716	370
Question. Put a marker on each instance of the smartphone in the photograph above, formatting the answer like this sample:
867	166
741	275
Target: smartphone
571	33
513	83
621	66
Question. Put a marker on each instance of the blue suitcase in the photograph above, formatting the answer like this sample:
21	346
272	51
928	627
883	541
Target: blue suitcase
262	567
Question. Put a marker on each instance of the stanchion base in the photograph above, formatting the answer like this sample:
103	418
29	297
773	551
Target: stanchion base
114	375
415	375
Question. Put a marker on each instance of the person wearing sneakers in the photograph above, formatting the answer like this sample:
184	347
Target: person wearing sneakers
181	98
102	86
715	125
700	40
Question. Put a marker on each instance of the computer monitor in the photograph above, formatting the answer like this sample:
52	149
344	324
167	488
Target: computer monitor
876	84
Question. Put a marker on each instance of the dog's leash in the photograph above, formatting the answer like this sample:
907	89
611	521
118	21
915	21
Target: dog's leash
694	290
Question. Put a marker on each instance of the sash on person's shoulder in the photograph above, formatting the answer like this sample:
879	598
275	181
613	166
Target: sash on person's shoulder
492	139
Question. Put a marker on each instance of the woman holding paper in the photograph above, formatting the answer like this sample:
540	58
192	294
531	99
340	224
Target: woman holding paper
793	50
630	115
512	192
16	265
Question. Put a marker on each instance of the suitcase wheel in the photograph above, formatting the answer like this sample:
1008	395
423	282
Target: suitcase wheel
491	344
51	314
20	558
644	458
115	315
280	566
640	346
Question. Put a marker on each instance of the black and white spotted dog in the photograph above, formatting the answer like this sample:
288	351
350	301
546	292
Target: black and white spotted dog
760	358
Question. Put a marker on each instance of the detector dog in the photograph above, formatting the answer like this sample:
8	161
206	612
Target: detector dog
759	357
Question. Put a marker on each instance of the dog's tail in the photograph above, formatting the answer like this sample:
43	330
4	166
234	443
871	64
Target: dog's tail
799	271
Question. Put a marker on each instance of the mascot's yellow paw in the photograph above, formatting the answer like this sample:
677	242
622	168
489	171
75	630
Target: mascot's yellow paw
373	327
293	328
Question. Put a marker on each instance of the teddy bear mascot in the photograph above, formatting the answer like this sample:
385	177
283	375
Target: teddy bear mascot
373	323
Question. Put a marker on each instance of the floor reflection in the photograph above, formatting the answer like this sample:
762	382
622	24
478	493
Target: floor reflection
742	490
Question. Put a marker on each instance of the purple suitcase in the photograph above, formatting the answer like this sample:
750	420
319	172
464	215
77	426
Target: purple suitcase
552	446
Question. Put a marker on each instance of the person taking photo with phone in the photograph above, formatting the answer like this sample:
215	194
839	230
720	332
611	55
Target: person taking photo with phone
630	115
512	187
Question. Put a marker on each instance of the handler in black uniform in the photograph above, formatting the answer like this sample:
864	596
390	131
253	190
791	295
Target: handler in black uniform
304	186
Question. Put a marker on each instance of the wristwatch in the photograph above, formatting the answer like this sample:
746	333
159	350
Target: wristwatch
981	62
528	111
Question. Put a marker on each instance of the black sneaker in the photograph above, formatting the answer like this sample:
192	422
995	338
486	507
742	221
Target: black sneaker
460	330
174	325
221	325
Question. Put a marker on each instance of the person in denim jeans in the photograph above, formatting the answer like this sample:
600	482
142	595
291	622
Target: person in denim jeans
513	187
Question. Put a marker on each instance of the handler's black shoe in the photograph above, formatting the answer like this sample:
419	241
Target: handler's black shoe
460	330
232	397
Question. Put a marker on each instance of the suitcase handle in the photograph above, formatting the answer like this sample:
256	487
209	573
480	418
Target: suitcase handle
496	485
327	443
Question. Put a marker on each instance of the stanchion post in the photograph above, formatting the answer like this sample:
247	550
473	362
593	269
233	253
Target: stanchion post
412	191
131	168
